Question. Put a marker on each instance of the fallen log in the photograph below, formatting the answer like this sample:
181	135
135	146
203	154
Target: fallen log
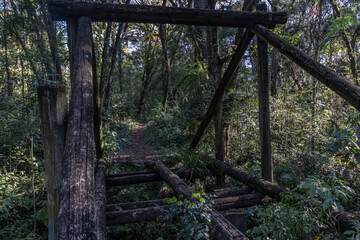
154	14
221	227
231	195
146	177
345	89
253	182
119	214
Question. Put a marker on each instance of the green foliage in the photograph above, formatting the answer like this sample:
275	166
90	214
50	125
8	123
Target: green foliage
283	221
332	192
192	219
354	234
346	141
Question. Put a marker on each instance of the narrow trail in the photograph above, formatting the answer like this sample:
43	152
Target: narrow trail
138	149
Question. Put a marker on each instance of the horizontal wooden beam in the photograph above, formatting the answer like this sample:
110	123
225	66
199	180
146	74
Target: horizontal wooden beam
225	194
345	89
253	182
151	210
146	177
101	12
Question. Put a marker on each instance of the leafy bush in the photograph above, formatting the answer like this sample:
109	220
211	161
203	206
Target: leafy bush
283	221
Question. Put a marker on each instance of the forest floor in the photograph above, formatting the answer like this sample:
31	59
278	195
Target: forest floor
138	149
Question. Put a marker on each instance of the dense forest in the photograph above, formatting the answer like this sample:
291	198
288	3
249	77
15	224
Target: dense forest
166	76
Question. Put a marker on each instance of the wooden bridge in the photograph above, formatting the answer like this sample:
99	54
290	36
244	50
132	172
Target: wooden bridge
76	182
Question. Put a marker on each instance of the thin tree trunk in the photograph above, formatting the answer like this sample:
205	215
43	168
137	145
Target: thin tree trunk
349	48
77	201
116	50
51	32
274	72
167	67
215	72
10	85
104	63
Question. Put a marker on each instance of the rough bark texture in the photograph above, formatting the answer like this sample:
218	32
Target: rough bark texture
154	14
274	72
225	81
221	227
264	107
347	90
144	177
150	210
114	57
77	201
167	67
53	113
100	192
214	67
253	182
104	63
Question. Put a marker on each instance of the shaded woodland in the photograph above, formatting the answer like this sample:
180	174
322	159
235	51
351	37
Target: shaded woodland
166	75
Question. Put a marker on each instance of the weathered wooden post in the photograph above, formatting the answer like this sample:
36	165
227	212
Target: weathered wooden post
77	199
264	106
53	113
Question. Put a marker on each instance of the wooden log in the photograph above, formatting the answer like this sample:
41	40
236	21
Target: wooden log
146	177
225	81
101	12
264	106
345	89
119	214
253	182
226	194
53	114
138	215
221	227
77	202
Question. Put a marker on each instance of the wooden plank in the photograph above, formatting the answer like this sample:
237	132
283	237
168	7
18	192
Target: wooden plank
150	210
146	177
221	227
264	106
155	14
53	114
345	89
225	81
230	195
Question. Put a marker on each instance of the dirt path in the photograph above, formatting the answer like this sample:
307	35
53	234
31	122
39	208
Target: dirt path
138	149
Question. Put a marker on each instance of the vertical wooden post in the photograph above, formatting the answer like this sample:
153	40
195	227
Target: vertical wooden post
100	192
77	201
264	107
53	113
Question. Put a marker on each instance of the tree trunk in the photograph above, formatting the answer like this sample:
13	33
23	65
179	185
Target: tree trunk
214	66
104	63
274	72
167	67
51	32
53	113
349	48
116	50
147	76
77	200
225	81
